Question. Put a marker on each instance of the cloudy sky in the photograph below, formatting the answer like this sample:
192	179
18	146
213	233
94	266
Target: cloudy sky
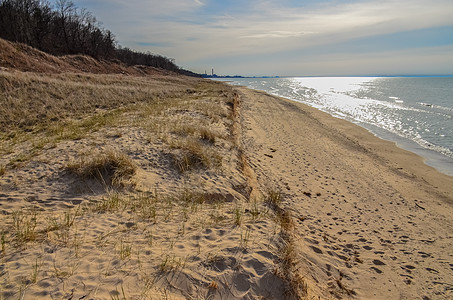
287	37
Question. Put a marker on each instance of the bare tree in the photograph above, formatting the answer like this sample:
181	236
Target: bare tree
68	30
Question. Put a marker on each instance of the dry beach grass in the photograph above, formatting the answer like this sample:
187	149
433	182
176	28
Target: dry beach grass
132	187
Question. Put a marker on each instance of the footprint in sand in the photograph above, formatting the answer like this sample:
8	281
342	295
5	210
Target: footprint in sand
312	241
316	249
256	266
408	268
241	285
432	270
424	254
377	262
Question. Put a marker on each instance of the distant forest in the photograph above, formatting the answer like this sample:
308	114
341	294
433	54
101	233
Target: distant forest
64	29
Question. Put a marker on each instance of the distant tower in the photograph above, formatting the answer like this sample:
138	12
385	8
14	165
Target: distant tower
212	72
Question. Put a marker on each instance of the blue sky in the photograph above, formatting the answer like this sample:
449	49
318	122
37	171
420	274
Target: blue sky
287	37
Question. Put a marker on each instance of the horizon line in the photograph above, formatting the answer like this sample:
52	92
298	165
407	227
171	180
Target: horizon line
289	76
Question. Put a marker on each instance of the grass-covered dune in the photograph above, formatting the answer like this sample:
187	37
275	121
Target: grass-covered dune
130	184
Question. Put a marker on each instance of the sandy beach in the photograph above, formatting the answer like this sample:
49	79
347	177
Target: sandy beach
157	186
372	221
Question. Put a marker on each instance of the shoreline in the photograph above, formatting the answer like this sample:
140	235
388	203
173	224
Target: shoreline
372	220
433	158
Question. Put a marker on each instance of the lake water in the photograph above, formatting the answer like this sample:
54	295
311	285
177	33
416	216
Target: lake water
414	112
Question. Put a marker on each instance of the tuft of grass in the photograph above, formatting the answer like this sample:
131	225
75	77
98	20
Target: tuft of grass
273	198
112	202
187	161
35	271
208	135
191	199
146	206
185	130
61	225
116	295
237	215
288	254
255	211
2	170
125	250
197	131
3	242
172	263
286	222
195	155
111	165
64	222
245	238
24	226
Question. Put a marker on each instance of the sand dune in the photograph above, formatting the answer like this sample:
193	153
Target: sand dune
144	200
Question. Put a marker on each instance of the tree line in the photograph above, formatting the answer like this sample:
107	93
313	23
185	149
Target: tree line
64	29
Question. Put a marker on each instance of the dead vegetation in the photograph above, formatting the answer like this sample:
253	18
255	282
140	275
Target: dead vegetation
17	56
30	100
110	166
289	268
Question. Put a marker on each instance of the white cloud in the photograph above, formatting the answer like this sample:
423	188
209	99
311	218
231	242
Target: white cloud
276	34
266	27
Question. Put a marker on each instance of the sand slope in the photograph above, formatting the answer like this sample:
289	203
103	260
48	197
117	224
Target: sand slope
179	223
372	221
